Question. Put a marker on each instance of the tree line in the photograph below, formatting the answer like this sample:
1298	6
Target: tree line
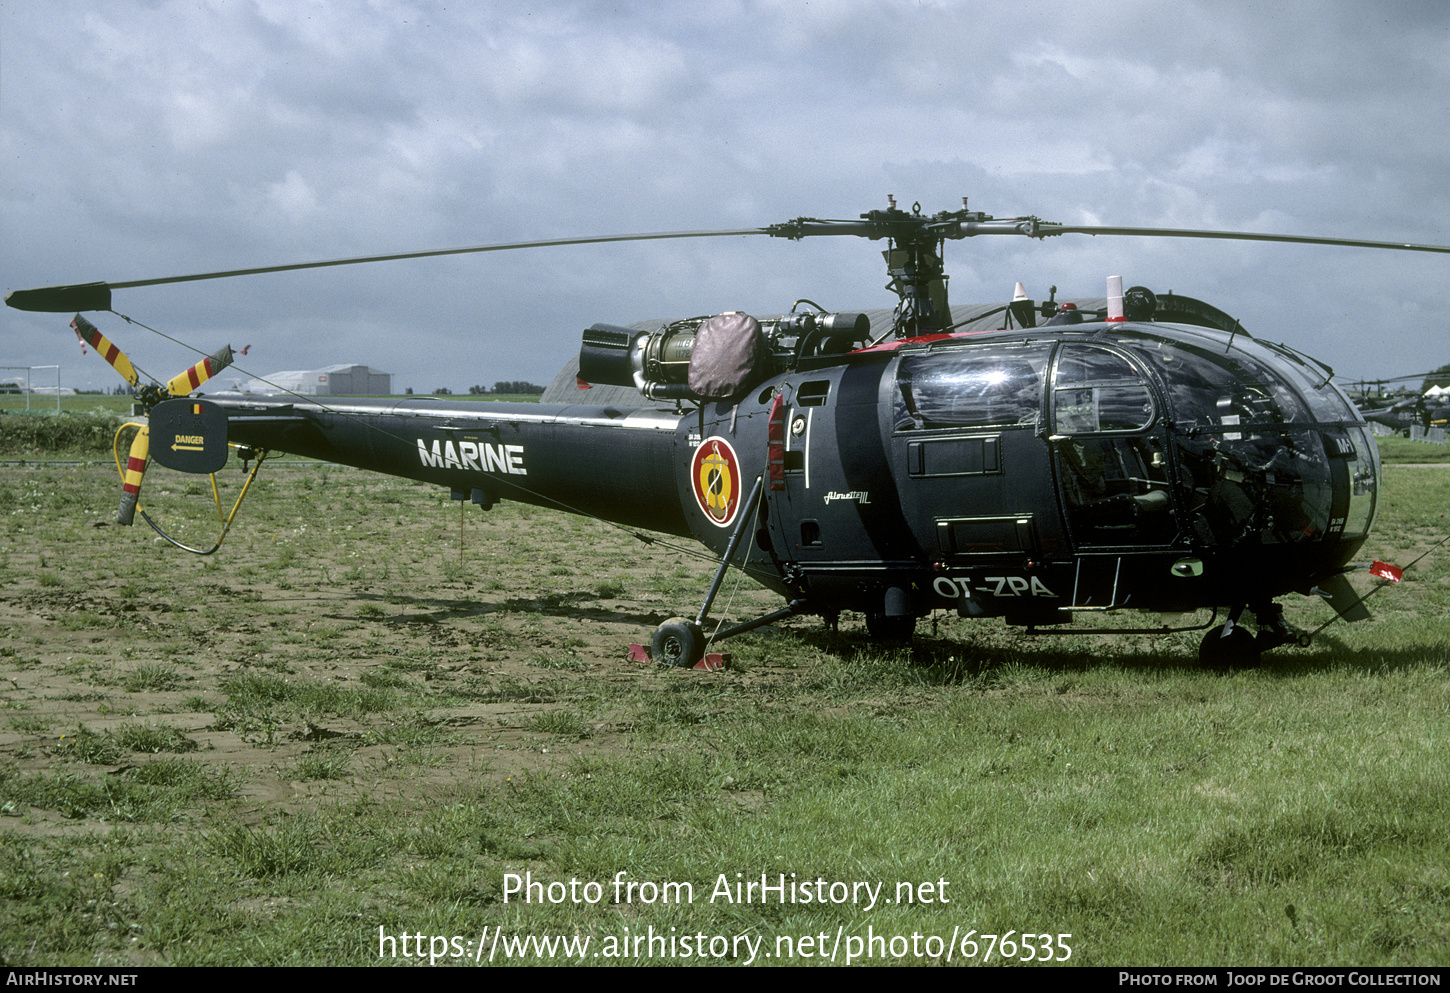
512	386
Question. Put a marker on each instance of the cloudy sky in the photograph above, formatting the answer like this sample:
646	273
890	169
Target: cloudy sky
144	139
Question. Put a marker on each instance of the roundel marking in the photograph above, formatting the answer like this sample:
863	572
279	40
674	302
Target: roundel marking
715	478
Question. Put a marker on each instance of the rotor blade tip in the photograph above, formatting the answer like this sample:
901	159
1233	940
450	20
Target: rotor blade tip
61	299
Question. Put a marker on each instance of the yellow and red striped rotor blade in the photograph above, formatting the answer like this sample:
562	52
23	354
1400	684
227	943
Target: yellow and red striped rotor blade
91	335
201	372
135	468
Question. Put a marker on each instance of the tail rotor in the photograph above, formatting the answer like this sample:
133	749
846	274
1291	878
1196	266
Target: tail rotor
150	395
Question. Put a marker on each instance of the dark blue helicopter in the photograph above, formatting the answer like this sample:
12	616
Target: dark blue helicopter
1129	453
1406	413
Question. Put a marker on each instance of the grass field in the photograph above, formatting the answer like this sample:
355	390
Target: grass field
369	716
92	403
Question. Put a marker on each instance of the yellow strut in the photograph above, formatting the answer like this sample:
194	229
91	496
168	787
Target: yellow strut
131	480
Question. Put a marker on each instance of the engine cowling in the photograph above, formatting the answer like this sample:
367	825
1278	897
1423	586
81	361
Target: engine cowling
713	358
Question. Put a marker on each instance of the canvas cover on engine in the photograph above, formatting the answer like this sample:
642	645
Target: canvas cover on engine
729	355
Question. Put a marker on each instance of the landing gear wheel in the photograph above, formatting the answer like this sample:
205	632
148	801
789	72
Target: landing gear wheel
883	628
1239	650
678	642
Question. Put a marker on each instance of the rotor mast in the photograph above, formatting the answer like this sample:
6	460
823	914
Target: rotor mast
914	256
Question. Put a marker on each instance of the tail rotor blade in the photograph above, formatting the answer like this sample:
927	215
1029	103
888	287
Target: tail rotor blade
135	468
91	335
208	367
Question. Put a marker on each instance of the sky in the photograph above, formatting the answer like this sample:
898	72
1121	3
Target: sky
148	139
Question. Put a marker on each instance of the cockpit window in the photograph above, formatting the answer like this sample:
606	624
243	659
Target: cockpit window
995	384
1220	391
1326	400
1265	449
1364	484
1092	365
1090	409
1098	390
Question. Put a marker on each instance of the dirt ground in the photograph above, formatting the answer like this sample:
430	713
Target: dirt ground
355	637
477	625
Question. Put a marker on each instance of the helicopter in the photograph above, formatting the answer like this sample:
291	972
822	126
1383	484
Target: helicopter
1404	414
1134	453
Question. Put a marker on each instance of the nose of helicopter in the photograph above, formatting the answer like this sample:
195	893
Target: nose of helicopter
1279	472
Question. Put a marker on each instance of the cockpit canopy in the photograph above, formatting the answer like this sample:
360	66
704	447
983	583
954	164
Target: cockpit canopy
1260	445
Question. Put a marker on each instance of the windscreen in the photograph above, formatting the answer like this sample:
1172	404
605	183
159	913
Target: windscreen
1273	451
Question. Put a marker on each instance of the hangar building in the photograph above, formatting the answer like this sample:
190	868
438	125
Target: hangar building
329	381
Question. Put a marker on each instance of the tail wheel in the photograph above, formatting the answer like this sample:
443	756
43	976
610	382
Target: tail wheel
1231	649
678	642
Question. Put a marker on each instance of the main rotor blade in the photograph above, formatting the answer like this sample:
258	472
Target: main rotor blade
97	296
1046	229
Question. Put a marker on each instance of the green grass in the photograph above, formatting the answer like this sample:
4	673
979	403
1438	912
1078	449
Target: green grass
252	693
135	736
38	435
322	765
86	424
151	676
401	750
1108	803
77	404
568	723
1397	450
160	791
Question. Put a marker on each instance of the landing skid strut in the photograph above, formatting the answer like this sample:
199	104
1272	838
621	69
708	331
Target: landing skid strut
681	642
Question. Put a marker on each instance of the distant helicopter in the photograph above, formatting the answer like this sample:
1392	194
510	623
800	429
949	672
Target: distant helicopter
1407	412
1134	453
